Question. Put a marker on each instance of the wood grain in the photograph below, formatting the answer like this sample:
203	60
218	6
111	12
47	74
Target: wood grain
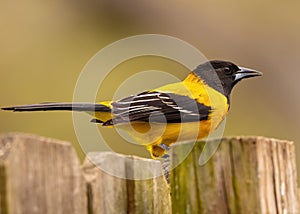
125	184
245	175
40	175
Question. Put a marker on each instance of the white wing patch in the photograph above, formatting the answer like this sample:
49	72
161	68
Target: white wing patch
161	107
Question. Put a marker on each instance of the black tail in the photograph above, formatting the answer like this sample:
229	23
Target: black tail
60	106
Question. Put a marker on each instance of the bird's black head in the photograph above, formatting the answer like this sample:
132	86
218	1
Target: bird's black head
223	75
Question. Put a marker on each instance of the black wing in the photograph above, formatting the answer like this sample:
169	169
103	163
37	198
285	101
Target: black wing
157	107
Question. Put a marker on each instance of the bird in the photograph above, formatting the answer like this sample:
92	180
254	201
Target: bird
183	111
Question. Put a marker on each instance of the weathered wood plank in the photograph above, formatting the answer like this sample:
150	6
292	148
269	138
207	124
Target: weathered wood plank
245	175
125	184
40	175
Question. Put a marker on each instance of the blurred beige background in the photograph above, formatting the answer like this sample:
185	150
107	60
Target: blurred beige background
45	45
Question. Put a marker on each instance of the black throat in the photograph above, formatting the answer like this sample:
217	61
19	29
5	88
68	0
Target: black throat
214	75
213	81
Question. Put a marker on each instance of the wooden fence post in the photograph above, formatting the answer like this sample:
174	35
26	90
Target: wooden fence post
110	192
40	175
245	175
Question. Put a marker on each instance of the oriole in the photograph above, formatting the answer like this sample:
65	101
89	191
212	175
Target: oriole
187	110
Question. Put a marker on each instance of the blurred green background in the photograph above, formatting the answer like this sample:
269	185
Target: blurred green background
45	45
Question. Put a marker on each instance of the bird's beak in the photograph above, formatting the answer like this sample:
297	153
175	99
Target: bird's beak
245	73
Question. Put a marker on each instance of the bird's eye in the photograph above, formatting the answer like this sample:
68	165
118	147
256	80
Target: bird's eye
227	70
